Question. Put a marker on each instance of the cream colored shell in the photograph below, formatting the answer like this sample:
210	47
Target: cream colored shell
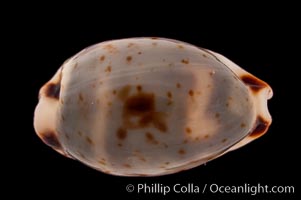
150	106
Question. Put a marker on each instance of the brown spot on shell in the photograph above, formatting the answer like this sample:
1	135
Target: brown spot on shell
150	138
142	159
254	83
178	85
108	69
110	48
127	165
185	61
191	93
169	95
181	151
102	162
204	55
79	133
80	97
180	46
114	92
206	136
139	52
139	88
188	130
102	58
242	125
261	127
224	140
121	133
130	45
217	115
129	58
50	139
88	140
53	90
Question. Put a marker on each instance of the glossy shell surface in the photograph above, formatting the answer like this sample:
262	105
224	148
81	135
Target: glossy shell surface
150	106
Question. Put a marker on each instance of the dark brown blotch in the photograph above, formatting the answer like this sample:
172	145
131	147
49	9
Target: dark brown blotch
141	108
140	103
261	127
50	139
53	90
254	83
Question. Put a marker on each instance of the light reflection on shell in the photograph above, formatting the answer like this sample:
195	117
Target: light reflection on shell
150	106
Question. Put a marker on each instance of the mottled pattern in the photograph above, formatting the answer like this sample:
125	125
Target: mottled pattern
150	106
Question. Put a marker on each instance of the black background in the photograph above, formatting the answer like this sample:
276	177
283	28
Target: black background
261	42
